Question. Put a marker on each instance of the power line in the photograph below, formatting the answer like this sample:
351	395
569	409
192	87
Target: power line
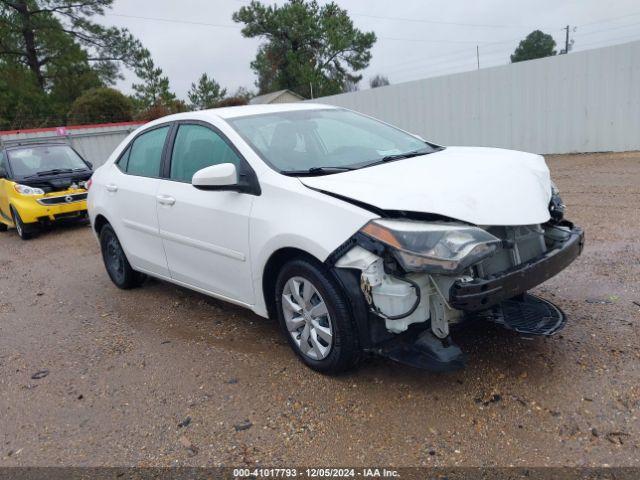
611	19
434	22
609	29
412	64
606	42
426	40
218	25
451	64
172	20
450	69
417	62
465	51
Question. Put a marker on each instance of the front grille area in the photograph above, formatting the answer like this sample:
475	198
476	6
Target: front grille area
522	243
76	197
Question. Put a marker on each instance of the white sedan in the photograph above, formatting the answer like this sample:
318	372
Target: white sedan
358	236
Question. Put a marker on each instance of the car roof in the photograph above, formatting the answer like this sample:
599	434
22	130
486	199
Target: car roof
244	110
226	113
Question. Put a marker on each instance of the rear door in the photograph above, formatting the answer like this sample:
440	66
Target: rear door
132	188
205	232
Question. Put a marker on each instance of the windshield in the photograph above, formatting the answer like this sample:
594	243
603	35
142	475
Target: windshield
44	159
331	139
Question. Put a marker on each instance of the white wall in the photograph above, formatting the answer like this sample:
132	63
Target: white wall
586	101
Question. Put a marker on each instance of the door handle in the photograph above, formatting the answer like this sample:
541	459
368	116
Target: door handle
165	200
111	187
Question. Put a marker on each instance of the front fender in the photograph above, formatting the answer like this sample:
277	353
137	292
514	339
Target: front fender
290	215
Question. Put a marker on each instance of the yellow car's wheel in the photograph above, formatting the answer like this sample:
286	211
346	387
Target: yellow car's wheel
21	228
3	227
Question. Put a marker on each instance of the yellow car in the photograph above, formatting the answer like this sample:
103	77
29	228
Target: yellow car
41	184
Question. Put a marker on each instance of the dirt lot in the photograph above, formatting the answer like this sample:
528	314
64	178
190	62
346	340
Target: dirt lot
126	368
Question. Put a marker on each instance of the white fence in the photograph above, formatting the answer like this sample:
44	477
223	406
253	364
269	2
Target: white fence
94	142
586	101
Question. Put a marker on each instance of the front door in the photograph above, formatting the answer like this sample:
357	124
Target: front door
205	233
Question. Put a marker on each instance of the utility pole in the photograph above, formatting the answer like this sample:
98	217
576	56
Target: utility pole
478	55
566	40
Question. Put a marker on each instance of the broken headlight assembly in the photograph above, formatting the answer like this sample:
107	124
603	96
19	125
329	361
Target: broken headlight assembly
433	247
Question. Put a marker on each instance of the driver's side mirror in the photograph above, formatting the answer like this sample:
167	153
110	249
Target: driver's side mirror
217	177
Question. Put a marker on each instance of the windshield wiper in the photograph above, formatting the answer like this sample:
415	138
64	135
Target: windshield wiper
54	171
316	171
400	156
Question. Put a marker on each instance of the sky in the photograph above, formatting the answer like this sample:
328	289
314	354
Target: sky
416	38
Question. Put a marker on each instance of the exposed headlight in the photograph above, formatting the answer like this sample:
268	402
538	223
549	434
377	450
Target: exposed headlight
433	247
26	190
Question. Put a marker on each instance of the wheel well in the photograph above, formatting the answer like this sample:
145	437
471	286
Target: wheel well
271	270
100	222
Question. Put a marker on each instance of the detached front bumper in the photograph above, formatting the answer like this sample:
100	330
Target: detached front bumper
483	293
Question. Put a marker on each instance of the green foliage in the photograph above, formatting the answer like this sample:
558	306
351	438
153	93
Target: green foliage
207	93
57	48
153	97
101	105
240	97
22	103
536	45
154	88
43	34
379	81
306	46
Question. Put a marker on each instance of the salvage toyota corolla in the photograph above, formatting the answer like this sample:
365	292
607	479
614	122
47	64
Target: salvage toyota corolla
358	236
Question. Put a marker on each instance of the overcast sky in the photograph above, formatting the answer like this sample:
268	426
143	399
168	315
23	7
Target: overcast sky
416	38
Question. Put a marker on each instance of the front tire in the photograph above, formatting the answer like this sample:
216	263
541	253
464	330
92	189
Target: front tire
315	317
20	226
115	261
3	227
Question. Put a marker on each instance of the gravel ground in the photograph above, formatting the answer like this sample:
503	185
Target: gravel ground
162	376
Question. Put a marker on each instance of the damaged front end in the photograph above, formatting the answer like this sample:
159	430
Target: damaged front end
411	280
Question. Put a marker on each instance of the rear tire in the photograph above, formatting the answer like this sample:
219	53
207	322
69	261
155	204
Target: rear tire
315	317
3	227
115	261
20	226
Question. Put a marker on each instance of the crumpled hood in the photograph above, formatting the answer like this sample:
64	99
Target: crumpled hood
483	186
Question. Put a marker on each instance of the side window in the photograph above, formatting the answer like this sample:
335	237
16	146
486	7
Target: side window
124	159
145	154
197	147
